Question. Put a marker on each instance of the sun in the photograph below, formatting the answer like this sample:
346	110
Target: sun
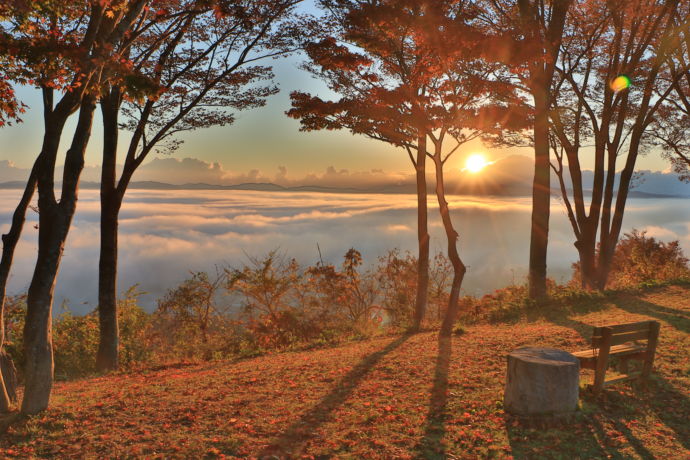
475	163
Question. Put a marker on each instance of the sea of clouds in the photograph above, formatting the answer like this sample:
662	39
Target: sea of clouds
165	234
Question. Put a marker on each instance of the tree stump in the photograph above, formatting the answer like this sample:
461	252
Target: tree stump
541	381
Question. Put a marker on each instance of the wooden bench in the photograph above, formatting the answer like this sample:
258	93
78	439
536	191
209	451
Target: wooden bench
624	342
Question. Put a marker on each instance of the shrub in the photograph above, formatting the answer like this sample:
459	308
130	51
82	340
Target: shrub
440	279
75	338
640	259
343	300
15	314
75	342
396	276
134	325
188	322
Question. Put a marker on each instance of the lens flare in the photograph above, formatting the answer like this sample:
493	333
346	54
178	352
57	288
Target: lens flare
620	83
475	163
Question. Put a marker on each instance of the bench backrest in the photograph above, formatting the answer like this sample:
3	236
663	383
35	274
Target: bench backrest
623	333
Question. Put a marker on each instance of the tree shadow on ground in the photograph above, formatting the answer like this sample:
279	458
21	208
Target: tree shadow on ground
657	396
591	427
598	429
562	318
557	438
430	445
679	319
300	432
672	407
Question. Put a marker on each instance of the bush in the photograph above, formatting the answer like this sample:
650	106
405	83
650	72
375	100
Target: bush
507	304
75	338
189	322
15	314
75	342
643	260
396	276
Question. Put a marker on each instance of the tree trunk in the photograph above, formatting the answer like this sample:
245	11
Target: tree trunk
422	237
9	244
107	355
541	198
533	17
459	268
38	346
588	267
55	219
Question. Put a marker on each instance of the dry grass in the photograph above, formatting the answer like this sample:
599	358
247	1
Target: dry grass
400	397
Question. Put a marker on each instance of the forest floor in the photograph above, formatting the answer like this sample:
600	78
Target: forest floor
396	397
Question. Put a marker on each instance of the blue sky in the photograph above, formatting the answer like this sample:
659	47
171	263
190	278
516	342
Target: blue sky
265	139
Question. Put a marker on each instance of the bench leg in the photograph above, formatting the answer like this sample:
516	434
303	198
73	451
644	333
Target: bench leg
651	350
623	366
602	360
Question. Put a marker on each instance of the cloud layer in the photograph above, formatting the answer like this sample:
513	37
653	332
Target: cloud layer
165	234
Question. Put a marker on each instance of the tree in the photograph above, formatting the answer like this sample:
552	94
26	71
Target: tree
540	76
539	25
671	129
370	80
10	110
202	62
9	244
192	306
404	84
10	107
64	48
610	91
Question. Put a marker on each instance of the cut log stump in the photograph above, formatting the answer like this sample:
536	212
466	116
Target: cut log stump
541	381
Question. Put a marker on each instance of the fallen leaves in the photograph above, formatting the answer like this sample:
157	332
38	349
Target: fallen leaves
382	398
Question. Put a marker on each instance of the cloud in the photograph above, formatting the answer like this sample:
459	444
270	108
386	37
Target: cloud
661	233
9	172
396	228
165	234
184	171
507	176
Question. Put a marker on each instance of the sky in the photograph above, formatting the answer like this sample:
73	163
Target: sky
170	233
264	142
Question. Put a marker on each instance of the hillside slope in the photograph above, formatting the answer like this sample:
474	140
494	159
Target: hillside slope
396	397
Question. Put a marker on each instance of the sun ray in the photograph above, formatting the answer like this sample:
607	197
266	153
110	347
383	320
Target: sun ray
475	163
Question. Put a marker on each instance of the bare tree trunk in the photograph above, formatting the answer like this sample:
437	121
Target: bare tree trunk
546	28
422	237
107	354
38	347
459	268
9	244
588	268
541	199
54	222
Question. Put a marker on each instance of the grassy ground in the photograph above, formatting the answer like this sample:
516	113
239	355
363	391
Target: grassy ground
399	397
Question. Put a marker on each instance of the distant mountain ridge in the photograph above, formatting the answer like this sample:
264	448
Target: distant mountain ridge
510	189
507	176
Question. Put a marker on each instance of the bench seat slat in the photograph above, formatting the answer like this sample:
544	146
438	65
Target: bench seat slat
615	350
619	338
